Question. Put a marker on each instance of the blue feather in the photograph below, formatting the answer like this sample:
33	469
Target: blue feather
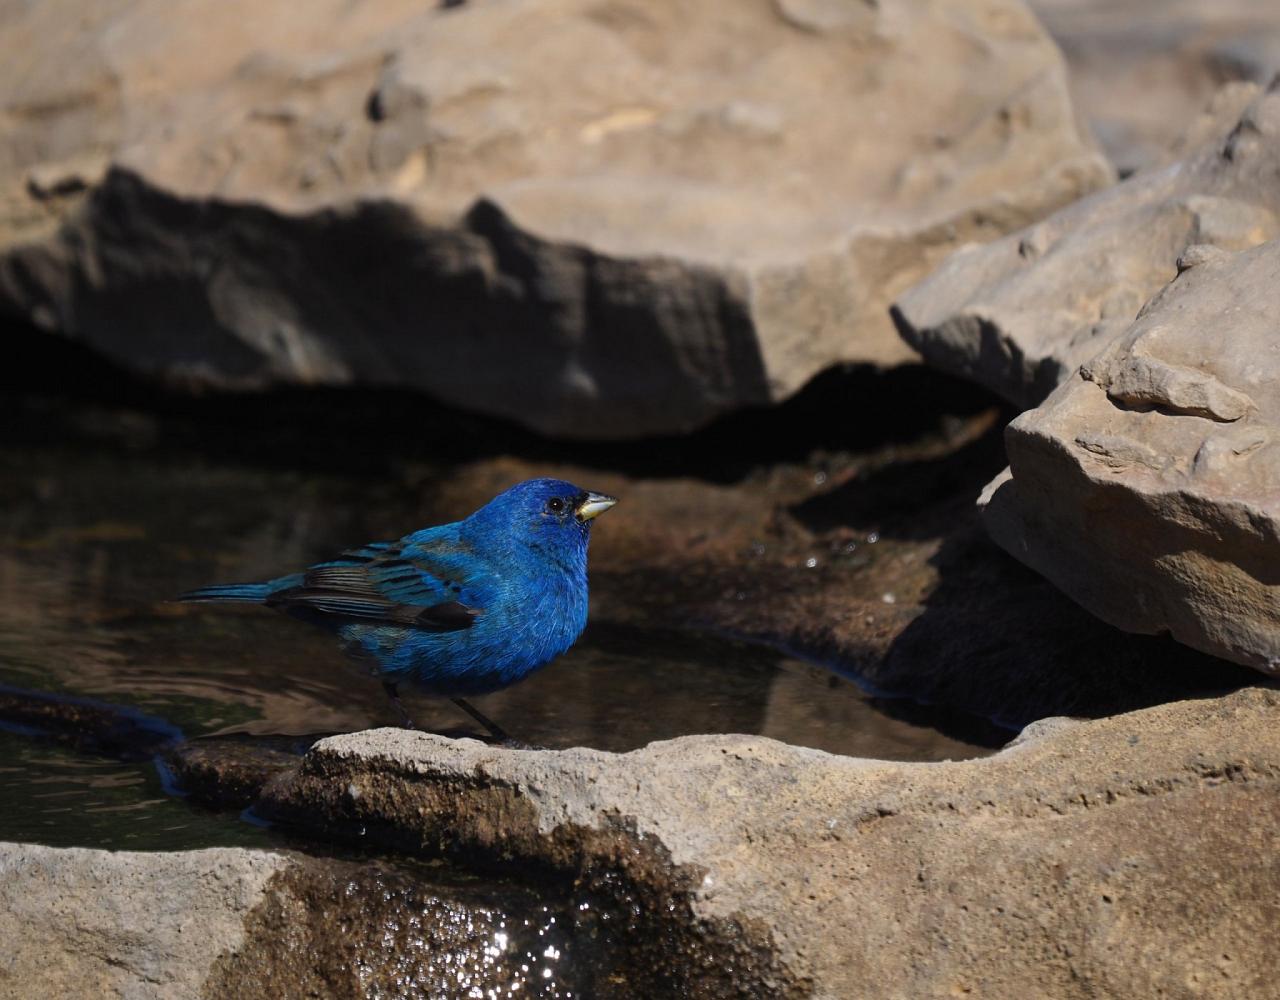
253	593
456	609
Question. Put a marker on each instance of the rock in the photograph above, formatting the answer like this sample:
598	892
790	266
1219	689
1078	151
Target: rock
1249	56
89	725
81	923
242	924
1020	315
334	928
598	219
1145	486
969	630
1139	67
229	771
1131	856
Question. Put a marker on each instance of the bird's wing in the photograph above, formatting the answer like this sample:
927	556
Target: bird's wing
392	583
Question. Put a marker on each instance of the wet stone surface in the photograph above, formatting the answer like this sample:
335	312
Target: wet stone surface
1145	839
345	928
229	772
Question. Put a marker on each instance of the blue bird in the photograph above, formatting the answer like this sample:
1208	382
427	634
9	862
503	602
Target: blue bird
459	609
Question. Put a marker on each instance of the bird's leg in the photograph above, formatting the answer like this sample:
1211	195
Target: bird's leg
394	695
495	730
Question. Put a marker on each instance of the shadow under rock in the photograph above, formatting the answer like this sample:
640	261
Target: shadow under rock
53	391
913	499
996	638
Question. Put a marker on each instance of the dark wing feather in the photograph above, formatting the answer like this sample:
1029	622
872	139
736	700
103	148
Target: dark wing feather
351	580
447	616
377	586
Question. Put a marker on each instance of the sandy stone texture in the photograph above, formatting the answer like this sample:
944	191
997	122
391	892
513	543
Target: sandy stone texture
602	219
85	923
1148	486
1141	68
1021	314
1132	856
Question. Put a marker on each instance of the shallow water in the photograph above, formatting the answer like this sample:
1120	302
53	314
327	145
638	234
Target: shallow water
95	542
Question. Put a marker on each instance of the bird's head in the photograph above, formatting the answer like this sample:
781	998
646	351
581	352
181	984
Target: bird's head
545	512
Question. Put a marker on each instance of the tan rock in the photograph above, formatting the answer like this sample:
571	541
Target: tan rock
244	925
1133	856
81	923
600	219
1140	67
1020	315
1147	487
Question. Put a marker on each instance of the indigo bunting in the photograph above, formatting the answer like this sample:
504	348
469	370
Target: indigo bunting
459	609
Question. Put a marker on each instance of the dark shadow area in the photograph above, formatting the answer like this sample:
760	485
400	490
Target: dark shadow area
369	430
912	499
959	725
994	637
1001	640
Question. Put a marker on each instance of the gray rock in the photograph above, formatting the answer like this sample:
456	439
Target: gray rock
1145	487
1131	856
1020	315
1252	56
81	923
599	219
1043	729
1139	67
232	923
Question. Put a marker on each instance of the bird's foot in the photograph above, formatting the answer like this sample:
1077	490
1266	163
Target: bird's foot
496	731
394	697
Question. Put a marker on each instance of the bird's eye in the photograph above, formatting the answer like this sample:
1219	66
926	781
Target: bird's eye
555	505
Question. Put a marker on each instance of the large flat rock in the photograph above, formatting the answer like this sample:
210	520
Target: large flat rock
599	219
1021	314
1148	486
1132	856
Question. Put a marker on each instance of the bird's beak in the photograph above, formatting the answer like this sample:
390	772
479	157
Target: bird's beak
593	504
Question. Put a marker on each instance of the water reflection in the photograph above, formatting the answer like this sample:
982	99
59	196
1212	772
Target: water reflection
52	795
372	929
435	947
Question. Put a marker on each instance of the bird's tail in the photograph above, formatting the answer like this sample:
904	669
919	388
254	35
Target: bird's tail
250	593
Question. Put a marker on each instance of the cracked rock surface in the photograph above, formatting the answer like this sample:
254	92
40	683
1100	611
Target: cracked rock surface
1021	314
1130	856
1148	486
600	219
